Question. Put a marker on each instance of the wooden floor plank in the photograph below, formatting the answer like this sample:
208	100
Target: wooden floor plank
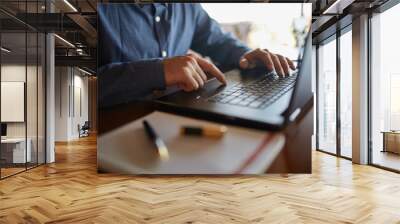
71	191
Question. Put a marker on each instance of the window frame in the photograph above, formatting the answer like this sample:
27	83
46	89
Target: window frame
333	37
379	10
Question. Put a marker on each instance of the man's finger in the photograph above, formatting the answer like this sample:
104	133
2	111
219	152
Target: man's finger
259	55
197	76
277	65
212	69
291	64
284	64
190	83
200	71
244	63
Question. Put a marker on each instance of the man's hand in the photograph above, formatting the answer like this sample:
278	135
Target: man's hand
188	72
272	61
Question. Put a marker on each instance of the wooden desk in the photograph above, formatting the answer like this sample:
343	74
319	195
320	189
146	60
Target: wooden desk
295	157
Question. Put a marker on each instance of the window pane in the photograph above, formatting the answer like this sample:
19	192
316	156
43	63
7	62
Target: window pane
14	153
385	114
346	94
327	97
31	97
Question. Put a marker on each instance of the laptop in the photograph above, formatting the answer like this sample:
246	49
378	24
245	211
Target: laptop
254	98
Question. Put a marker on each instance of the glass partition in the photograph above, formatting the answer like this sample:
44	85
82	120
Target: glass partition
385	89
14	153
31	100
346	94
334	95
22	90
327	96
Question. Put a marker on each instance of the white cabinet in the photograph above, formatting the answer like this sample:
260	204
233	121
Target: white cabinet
17	147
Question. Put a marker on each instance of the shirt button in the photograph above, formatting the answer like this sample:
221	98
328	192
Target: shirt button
157	19
164	53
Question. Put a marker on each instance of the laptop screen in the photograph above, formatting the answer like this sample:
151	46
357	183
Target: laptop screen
302	94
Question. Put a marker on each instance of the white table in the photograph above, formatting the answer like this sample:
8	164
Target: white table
19	153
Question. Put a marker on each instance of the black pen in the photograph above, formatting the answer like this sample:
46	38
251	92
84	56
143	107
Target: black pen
158	142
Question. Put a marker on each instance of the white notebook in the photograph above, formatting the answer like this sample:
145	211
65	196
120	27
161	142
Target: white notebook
128	150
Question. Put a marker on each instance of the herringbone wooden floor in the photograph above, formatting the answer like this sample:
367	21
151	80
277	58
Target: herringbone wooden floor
71	191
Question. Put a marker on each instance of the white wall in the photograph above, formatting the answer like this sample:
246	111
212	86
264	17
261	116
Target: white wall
80	110
14	73
71	102
62	81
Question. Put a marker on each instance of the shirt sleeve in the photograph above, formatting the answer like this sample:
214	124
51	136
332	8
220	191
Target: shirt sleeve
126	81
209	40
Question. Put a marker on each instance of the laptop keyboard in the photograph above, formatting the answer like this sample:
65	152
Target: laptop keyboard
256	94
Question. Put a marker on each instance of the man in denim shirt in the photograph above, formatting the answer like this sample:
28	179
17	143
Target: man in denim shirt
144	47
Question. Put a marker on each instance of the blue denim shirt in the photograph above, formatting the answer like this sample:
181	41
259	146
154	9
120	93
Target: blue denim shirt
134	39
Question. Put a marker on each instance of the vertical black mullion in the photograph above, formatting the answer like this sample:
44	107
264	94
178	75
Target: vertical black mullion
338	82
26	85
45	88
0	93
37	89
369	96
317	95
45	96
